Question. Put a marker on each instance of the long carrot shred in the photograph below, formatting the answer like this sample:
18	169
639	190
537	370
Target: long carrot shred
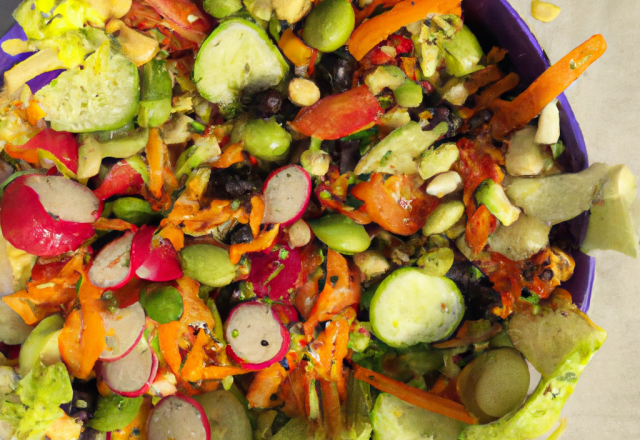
264	241
174	234
331	348
195	368
257	212
547	87
336	296
265	384
230	154
415	396
491	94
113	224
366	12
373	31
294	49
168	335
331	408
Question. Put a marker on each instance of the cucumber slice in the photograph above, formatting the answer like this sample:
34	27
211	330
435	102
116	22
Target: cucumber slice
410	307
393	418
102	96
237	58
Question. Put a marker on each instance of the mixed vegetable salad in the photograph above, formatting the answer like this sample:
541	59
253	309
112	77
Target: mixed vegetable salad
286	219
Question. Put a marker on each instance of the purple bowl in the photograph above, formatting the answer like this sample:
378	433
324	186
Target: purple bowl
496	23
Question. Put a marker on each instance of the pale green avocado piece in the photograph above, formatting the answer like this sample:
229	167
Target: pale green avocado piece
393	418
383	77
610	225
36	342
222	8
492	195
438	160
397	153
463	53
520	240
436	262
444	217
559	343
121	146
409	94
238	57
102	96
547	197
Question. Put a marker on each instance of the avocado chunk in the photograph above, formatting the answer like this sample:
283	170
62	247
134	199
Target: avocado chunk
438	160
492	195
383	77
525	156
463	53
409	94
397	153
520	240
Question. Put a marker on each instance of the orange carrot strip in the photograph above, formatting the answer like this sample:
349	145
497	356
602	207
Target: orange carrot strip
34	113
264	241
265	384
331	347
331	408
230	154
156	151
415	396
370	33
366	12
491	94
481	224
174	234
294	49
168	335
257	212
546	88
113	224
195	369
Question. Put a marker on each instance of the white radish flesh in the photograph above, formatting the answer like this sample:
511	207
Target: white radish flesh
254	333
64	198
287	192
178	418
112	265
132	375
124	329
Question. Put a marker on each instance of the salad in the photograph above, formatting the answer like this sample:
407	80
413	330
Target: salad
286	219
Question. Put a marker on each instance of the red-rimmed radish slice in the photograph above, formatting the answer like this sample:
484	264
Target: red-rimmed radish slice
111	269
178	418
256	336
286	194
275	274
121	179
153	258
124	329
48	215
132	375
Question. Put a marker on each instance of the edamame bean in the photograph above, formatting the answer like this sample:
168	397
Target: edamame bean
341	233
133	210
163	305
329	25
266	140
208	264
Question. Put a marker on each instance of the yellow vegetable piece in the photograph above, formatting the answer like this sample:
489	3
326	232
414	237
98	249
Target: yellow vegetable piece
544	11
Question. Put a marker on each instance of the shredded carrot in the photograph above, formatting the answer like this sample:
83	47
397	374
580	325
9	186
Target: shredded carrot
174	234
113	224
230	154
478	229
168	335
262	242
546	88
331	408
19	152
415	396
491	94
366	12
157	153
257	212
331	348
294	49
265	384
195	368
34	112
337	294
373	31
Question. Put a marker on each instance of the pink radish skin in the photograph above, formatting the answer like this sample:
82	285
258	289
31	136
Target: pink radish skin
171	419
61	144
252	323
109	269
117	374
287	192
28	226
121	328
154	259
263	265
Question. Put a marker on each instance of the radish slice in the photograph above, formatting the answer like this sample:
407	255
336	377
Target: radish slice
48	215
121	179
256	336
286	192
178	418
111	269
154	258
59	143
275	274
132	375
124	329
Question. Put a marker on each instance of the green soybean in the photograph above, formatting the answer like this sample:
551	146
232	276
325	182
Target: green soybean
266	140
133	210
163	305
208	264
341	233
329	25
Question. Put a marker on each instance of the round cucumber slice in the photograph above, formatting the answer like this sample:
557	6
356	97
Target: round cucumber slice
410	307
237	58
102	96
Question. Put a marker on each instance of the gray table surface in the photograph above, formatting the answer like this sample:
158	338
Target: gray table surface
606	101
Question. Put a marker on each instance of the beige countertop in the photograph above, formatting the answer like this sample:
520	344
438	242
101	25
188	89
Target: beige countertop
606	101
